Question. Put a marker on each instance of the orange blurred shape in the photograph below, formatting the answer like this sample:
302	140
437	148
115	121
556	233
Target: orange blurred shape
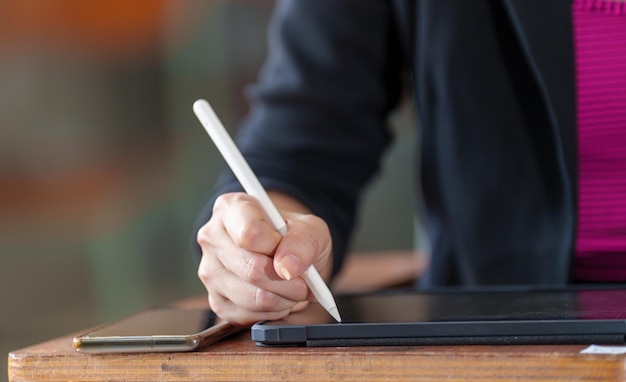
99	27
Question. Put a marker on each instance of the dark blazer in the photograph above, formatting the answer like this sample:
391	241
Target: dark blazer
493	83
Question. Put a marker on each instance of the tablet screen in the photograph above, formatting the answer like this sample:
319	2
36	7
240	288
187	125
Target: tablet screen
410	306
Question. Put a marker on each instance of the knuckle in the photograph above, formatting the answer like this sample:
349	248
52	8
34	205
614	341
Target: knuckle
217	304
221	202
227	199
249	234
207	271
207	233
204	275
203	236
253	269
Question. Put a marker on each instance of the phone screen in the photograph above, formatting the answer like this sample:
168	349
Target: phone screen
156	330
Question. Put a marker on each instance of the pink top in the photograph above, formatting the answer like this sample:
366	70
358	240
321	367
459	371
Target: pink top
600	48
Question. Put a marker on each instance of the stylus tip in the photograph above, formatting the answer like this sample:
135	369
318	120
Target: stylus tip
335	313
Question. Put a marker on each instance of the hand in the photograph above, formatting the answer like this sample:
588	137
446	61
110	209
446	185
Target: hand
249	270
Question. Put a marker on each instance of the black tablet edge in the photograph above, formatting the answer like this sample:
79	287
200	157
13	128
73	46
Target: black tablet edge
441	333
604	339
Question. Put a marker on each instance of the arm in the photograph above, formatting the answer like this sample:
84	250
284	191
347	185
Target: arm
317	127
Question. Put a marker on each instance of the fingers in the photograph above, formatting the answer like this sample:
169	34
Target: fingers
249	242
239	316
241	302
258	270
237	266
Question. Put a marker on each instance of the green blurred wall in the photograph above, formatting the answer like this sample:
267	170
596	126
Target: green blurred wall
103	168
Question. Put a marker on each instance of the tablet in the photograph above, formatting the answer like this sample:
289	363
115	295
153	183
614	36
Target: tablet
161	329
574	316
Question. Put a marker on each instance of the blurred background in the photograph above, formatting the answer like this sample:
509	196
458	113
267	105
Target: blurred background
103	165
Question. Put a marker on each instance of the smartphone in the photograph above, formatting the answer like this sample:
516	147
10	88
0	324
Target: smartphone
156	330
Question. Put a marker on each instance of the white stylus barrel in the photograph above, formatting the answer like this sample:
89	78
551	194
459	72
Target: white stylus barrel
251	184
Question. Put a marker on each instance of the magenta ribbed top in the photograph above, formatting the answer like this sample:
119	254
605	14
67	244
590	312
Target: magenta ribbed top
600	51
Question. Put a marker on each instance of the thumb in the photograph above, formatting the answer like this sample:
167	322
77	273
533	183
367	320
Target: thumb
306	242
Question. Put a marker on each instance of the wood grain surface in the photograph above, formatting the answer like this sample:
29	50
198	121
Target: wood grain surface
239	359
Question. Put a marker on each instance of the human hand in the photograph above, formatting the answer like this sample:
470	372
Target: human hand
249	270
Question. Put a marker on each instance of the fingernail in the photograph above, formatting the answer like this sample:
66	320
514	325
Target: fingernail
286	263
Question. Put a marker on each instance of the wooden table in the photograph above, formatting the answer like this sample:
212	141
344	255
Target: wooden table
237	358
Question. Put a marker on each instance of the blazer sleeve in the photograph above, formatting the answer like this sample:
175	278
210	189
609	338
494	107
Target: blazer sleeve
317	126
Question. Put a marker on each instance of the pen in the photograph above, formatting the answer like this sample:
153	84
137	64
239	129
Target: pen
251	184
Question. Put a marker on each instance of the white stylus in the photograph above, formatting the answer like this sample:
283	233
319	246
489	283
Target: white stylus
251	184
